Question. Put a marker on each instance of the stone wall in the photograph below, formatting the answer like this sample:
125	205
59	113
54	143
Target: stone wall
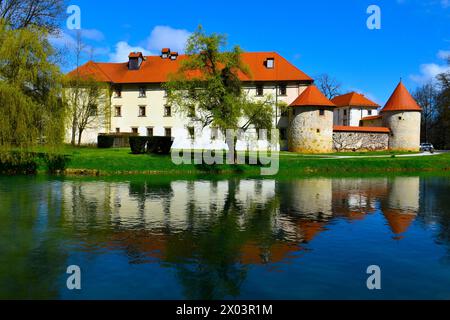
360	141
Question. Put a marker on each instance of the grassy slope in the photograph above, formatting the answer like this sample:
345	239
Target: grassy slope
120	161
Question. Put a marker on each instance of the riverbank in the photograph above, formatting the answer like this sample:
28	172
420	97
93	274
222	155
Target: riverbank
111	162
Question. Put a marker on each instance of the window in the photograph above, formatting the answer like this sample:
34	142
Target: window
283	134
117	92
270	63
149	132
191	132
214	133
369	112
93	110
259	90
400	118
118	111
322	112
318	130
345	122
142	92
142	111
283	90
168	132
167	111
345	112
117	130
135	130
191	112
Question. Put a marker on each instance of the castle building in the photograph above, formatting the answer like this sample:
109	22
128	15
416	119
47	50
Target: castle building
351	108
313	124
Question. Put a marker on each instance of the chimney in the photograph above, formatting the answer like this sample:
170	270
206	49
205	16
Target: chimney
173	55
165	53
135	60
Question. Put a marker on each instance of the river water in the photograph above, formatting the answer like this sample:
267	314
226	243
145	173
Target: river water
162	238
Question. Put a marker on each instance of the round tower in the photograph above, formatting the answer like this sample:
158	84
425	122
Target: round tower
403	116
311	123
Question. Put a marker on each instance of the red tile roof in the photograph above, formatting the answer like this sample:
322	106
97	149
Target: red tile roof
312	97
157	70
354	99
362	129
401	100
372	118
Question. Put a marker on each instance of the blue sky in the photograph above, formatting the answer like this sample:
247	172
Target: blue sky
317	36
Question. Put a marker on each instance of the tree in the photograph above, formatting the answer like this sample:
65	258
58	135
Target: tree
443	118
208	89
45	14
85	98
427	96
329	86
30	89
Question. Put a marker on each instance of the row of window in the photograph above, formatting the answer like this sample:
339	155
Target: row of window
191	133
282	91
142	111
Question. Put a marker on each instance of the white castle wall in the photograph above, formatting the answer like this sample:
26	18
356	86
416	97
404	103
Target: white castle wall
405	129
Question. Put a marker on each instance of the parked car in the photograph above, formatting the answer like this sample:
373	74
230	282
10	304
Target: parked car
426	147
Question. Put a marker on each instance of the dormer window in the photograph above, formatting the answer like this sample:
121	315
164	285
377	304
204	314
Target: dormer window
135	60
173	55
270	63
165	53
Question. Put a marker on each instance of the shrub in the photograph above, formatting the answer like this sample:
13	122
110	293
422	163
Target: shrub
138	144
12	163
160	145
56	162
105	141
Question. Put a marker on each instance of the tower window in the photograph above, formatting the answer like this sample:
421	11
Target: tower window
400	118
322	112
318	130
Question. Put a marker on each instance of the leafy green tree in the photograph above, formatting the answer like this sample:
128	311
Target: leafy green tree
208	89
30	90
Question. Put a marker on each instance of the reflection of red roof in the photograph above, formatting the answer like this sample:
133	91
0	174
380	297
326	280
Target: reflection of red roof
312	97
354	99
362	129
251	253
157	70
399	222
309	229
401	100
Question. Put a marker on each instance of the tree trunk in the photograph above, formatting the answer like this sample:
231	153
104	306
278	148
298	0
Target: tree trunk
80	133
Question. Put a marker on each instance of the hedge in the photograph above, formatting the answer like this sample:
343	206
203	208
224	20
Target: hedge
138	145
105	141
160	145
155	145
13	163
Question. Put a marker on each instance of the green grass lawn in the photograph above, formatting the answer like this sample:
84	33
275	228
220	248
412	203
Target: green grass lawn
92	161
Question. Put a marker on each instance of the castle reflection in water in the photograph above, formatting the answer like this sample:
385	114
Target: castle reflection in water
246	221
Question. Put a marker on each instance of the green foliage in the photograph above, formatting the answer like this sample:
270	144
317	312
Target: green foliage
105	141
159	145
56	163
139	144
208	81
12	163
30	87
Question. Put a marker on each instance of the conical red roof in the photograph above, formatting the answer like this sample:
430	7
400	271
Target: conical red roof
312	97
354	99
401	100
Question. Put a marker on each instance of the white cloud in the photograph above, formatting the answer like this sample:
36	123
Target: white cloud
444	54
160	37
429	71
167	37
123	49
